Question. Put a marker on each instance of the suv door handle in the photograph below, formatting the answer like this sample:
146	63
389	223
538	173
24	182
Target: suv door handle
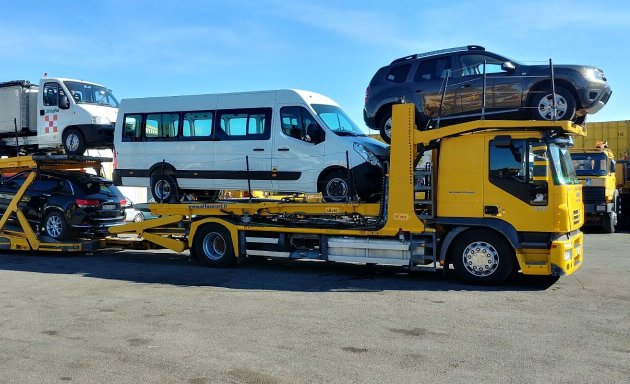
259	149
283	149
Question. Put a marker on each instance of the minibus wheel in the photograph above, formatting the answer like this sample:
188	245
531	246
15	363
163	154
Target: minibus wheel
164	188
213	246
337	186
482	257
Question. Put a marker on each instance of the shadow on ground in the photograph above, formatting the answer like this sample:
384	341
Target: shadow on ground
164	267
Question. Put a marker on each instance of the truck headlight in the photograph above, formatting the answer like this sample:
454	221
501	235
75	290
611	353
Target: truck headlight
367	155
101	120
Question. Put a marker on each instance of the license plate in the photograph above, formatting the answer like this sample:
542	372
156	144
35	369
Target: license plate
108	206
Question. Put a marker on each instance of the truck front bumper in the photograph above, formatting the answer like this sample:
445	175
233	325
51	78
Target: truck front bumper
564	256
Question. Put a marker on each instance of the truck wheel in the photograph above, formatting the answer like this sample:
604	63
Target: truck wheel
337	186
56	226
541	107
482	257
73	142
213	245
163	188
385	126
610	220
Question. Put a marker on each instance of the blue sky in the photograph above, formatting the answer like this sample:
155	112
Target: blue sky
158	48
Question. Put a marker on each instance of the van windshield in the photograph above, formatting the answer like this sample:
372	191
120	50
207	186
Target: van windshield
337	120
84	93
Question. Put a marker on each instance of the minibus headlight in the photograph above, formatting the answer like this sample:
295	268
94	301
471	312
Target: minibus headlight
367	155
100	120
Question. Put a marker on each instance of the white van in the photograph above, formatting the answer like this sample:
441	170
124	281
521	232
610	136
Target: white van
283	140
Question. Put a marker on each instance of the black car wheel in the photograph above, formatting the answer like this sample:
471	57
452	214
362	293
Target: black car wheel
164	188
56	226
73	142
385	126
541	107
139	217
337	186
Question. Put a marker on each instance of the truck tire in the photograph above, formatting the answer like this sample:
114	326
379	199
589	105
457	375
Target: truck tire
541	106
164	188
609	222
482	257
212	245
73	142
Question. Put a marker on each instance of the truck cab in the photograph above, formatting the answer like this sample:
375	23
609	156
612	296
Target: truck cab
595	168
75	114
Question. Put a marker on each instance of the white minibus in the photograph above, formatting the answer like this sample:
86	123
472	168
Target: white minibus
282	140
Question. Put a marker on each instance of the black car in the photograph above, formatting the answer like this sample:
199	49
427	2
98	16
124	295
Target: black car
449	84
62	204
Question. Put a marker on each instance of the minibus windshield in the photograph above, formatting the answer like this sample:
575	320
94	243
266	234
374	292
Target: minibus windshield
337	120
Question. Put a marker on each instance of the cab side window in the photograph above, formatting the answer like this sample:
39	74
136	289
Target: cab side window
298	123
52	91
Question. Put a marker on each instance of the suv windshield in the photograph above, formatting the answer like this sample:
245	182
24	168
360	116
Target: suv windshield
564	173
590	164
337	120
84	93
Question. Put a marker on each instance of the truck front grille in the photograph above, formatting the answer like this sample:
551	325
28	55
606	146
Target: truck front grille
594	195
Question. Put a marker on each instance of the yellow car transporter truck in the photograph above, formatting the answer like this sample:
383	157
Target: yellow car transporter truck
497	197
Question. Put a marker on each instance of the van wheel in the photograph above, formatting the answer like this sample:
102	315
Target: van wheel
73	142
541	107
337	186
482	257
213	246
164	188
385	126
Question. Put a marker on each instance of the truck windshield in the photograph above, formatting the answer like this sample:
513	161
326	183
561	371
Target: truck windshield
590	164
337	120
563	171
84	93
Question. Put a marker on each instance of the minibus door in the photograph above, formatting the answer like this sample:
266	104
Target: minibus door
299	150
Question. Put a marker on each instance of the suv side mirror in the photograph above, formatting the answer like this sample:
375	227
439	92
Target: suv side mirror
64	103
508	66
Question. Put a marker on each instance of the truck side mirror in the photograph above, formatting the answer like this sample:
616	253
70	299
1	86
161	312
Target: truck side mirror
64	103
540	173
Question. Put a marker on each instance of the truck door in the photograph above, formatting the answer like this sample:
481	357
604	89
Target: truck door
54	113
244	142
298	150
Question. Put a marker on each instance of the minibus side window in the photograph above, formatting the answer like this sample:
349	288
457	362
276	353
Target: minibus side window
161	126
299	124
244	124
132	130
197	124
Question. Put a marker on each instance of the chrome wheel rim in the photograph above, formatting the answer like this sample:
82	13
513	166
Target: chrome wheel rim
545	107
388	128
162	189
72	142
214	246
337	189
481	259
54	226
138	218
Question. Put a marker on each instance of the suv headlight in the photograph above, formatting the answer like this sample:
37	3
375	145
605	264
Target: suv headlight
100	120
594	74
367	155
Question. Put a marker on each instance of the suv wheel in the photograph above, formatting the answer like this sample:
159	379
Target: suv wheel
542	105
385	126
56	226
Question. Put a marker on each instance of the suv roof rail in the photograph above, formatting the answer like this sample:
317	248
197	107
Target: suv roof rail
441	51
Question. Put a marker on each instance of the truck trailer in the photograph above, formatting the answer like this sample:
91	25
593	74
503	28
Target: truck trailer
58	113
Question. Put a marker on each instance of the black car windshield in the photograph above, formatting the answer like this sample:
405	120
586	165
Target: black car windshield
84	93
590	164
337	121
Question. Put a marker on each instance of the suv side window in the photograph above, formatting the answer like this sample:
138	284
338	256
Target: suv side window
399	73
433	69
473	64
